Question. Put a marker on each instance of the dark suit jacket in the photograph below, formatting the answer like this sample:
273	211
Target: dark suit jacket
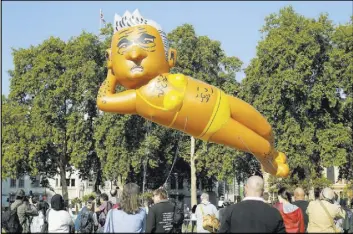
252	216
303	205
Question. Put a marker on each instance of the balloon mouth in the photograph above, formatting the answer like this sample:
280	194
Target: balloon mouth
136	69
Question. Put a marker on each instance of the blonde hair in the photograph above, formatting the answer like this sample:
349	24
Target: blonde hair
130	202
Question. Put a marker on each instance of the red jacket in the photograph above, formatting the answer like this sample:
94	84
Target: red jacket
292	217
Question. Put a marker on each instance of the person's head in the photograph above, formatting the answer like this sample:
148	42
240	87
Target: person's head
159	195
41	207
327	194
104	197
57	202
193	210
317	192
130	202
90	203
139	50
284	195
205	197
299	194
254	187
35	199
20	194
148	202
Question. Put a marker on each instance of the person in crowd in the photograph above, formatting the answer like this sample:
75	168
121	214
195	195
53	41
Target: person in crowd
323	211
252	214
24	210
193	218
113	195
86	221
59	220
103	210
160	218
222	210
37	223
147	203
204	208
292	215
131	217
299	197
347	225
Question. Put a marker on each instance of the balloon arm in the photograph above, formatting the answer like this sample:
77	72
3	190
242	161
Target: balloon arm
109	101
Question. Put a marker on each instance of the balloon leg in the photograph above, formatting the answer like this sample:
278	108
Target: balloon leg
247	115
238	136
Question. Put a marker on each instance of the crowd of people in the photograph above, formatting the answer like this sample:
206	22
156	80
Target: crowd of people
291	214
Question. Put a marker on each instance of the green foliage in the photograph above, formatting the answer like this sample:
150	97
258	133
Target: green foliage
147	195
291	82
53	94
76	201
85	197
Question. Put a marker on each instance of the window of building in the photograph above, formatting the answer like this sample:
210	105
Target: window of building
90	183
72	182
172	182
21	183
12	183
67	182
56	182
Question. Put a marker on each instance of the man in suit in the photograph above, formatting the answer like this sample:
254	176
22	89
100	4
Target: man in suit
299	197
252	214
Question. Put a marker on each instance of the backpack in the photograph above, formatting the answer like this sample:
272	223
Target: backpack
209	222
103	214
10	221
86	221
178	218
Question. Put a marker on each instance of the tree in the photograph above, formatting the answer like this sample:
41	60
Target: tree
203	59
288	81
340	68
55	84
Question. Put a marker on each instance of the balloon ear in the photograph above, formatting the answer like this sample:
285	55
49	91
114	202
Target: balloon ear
172	56
108	56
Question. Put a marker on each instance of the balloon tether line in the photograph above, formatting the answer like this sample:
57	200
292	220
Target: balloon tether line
176	155
253	154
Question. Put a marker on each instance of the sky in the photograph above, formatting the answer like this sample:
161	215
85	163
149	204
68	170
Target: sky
235	24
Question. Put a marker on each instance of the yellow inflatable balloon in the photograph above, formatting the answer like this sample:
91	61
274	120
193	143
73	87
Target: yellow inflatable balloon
140	59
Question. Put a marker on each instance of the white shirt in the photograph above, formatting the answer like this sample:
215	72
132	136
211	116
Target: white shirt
254	198
59	221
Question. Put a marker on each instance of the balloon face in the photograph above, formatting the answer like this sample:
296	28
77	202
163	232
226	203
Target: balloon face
137	55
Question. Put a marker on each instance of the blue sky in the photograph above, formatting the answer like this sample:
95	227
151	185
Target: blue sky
235	24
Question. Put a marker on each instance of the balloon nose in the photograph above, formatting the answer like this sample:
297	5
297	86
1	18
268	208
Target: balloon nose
136	54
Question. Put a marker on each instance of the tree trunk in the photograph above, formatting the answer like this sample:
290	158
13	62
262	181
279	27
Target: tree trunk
63	182
193	173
